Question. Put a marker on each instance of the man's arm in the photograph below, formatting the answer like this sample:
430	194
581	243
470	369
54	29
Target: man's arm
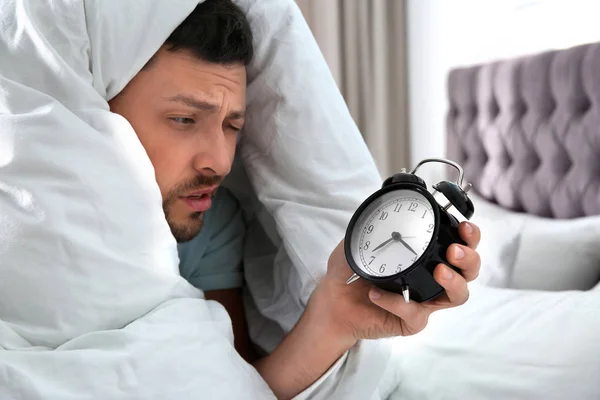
310	349
299	360
338	315
232	300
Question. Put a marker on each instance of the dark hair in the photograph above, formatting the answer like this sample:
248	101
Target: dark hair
216	31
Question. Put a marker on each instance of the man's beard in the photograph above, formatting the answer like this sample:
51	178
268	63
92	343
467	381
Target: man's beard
187	230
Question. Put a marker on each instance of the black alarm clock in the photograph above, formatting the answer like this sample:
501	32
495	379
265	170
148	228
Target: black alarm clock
400	233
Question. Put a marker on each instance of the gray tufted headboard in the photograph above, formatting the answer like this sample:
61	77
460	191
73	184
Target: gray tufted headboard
527	131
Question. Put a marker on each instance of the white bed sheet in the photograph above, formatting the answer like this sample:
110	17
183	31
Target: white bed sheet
506	344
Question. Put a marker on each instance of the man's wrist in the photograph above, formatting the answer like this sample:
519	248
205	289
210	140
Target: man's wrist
324	315
315	343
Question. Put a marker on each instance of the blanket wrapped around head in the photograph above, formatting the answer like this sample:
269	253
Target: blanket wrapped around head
91	301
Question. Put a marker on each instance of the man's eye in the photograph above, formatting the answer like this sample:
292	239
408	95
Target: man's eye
182	120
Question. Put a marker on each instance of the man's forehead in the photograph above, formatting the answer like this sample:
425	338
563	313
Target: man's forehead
205	102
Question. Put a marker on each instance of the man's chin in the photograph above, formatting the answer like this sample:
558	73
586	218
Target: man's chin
186	231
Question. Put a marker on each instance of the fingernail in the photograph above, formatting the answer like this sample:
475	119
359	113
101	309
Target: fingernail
375	294
459	253
468	228
448	274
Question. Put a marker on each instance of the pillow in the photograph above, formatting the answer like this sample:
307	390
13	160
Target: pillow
505	344
500	235
558	254
523	251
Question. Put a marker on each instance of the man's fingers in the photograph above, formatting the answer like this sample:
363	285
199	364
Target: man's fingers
413	314
470	233
465	259
453	283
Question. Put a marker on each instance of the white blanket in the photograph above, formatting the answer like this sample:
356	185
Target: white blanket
91	302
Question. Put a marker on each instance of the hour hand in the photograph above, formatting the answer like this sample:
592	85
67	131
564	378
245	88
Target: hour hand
382	244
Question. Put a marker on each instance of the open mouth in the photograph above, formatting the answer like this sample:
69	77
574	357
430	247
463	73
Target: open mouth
198	196
198	202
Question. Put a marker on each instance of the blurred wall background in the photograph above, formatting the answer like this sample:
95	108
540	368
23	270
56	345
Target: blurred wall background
444	34
391	58
364	43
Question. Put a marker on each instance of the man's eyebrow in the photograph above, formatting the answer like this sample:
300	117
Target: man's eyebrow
204	105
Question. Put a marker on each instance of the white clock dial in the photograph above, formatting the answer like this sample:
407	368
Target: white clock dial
392	232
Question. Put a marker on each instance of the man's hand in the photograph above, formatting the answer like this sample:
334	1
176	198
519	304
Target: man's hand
363	311
338	315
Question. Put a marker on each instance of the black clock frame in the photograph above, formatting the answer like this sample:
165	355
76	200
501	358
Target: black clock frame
419	276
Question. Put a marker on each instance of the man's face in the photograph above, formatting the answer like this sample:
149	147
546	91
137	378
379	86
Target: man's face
187	114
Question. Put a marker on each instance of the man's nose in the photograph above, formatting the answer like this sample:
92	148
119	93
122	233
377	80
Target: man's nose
215	158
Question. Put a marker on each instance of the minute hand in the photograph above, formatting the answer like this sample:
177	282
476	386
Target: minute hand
407	246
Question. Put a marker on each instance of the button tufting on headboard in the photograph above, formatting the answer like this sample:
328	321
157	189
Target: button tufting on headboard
527	131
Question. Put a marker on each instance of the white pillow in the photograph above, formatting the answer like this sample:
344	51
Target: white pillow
558	254
500	235
506	344
524	251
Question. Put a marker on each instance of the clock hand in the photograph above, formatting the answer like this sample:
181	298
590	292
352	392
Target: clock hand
407	246
398	237
382	244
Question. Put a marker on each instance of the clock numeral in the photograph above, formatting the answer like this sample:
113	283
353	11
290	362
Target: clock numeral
370	228
424	214
413	207
426	244
414	259
367	244
399	268
430	228
382	268
383	216
372	259
398	207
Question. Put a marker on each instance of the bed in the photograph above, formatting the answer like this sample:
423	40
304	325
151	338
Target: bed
527	132
111	316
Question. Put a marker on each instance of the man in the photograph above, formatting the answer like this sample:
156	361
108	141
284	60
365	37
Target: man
187	107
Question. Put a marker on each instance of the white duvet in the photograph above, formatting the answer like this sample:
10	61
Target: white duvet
91	302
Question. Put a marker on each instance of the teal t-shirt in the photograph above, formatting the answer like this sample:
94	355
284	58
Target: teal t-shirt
213	259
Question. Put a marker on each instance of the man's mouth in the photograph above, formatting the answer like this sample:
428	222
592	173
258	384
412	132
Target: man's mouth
200	200
210	190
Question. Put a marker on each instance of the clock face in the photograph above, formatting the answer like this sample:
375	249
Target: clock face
392	232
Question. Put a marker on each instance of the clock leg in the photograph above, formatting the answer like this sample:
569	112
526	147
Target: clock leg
406	293
352	279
